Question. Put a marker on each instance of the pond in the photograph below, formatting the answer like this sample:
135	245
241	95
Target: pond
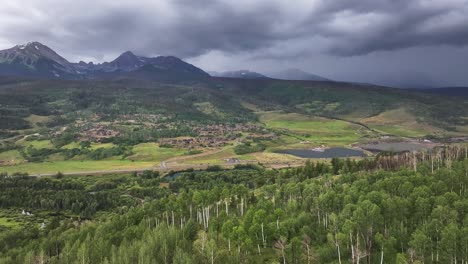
397	146
326	153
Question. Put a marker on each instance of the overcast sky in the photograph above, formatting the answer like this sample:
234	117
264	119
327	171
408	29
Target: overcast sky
392	42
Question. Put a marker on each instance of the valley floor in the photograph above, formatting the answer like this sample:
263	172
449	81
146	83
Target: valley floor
285	131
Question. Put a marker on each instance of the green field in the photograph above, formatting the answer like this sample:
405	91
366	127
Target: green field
38	144
77	166
93	145
11	155
317	130
8	223
152	152
145	155
35	120
402	131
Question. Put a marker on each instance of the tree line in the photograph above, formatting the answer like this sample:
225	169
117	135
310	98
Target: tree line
346	211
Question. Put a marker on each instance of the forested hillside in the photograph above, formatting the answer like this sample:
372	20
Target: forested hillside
339	212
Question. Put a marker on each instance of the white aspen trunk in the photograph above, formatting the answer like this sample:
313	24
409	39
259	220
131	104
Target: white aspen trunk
172	213
203	218
226	205
326	220
263	237
242	206
318	216
381	256
432	164
353	254
339	252
229	244
358	251
207	214
284	257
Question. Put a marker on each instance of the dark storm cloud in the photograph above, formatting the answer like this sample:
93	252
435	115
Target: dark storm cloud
329	35
190	28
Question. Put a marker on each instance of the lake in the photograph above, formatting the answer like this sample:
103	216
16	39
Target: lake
327	153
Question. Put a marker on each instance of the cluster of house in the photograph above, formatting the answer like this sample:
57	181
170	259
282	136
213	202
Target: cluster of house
139	118
191	142
224	129
99	132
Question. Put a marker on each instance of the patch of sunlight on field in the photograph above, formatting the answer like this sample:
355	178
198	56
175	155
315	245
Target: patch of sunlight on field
152	151
102	145
94	146
268	157
8	223
36	119
76	166
38	144
11	155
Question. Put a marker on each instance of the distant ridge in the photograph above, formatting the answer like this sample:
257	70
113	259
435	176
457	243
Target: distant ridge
448	91
241	74
297	74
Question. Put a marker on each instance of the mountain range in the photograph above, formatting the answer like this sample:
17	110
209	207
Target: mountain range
288	74
37	60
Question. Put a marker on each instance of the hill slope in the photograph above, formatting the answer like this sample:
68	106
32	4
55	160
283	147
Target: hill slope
226	97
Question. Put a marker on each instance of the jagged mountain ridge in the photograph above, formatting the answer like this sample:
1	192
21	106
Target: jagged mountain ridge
37	60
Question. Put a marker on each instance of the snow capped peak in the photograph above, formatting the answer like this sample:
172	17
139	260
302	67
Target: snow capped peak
31	45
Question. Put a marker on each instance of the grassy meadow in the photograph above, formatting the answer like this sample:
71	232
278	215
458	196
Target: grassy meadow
317	130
